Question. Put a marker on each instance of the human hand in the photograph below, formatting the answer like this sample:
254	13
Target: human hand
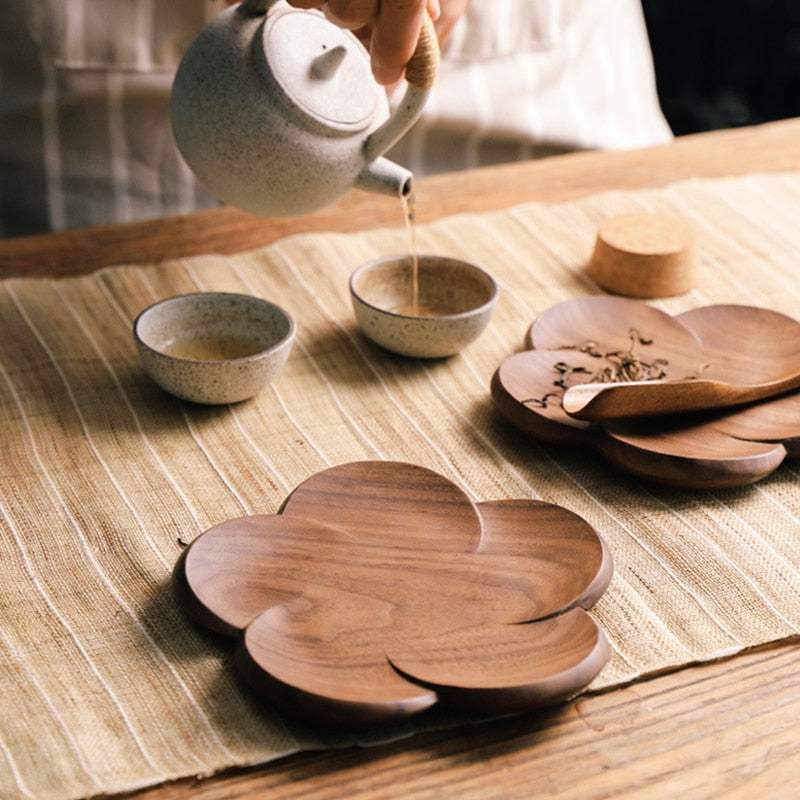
389	28
450	13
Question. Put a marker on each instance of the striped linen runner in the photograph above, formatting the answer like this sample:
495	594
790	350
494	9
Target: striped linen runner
106	687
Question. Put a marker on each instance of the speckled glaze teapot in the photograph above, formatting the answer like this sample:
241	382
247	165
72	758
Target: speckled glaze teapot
276	111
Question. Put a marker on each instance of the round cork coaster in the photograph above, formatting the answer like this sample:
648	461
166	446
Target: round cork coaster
644	255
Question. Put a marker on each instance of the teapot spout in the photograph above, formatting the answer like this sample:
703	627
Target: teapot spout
385	177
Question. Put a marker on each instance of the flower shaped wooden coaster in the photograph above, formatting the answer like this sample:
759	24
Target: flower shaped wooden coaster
380	590
616	339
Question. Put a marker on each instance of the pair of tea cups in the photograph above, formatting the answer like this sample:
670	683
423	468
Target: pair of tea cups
220	347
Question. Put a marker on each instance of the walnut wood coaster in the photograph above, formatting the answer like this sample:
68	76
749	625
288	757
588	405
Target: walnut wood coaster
724	729
381	590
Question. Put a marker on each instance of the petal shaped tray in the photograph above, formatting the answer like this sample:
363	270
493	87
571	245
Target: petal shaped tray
604	338
380	590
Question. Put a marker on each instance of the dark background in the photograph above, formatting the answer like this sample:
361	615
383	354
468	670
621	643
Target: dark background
725	63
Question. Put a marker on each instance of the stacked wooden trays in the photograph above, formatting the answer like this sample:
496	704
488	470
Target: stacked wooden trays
572	343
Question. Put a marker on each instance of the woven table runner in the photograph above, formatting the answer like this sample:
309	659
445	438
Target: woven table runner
107	687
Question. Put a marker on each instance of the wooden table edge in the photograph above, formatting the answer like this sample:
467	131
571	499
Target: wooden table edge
726	728
768	147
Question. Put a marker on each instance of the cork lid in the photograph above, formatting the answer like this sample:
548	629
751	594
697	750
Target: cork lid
644	255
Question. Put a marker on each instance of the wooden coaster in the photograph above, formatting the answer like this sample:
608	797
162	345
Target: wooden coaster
381	590
644	255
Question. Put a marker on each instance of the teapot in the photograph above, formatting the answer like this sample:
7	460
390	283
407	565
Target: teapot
276	111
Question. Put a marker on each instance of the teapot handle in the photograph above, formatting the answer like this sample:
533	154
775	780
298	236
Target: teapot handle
421	73
423	68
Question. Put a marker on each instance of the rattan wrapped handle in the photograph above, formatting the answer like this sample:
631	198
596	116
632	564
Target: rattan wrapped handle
423	68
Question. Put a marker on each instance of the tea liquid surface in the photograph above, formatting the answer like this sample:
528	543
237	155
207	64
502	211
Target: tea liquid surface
211	348
418	310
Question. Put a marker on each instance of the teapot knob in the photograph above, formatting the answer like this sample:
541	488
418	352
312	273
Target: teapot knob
324	66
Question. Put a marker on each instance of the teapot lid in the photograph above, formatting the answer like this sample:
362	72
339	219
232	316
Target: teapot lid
322	68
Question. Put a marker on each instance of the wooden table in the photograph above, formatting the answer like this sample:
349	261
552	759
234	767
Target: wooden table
729	729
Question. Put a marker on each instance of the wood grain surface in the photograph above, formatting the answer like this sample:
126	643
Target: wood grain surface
381	590
726	729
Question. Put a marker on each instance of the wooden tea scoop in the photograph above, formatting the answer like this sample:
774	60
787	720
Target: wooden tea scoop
601	401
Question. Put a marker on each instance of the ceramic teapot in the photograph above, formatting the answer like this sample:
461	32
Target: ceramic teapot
276	111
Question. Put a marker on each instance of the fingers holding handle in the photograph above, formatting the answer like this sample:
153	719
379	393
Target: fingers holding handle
399	33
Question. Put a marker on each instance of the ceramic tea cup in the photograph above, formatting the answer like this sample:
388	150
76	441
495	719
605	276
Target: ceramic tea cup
449	308
213	347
